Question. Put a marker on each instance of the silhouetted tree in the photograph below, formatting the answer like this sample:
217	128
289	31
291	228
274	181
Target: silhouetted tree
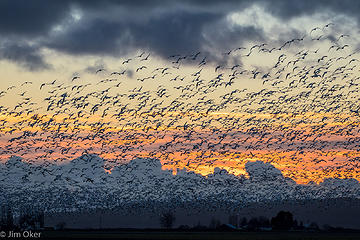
214	223
60	226
257	223
31	220
233	220
296	224
282	221
314	226
9	219
264	222
184	227
3	217
253	224
327	227
243	222
301	225
167	220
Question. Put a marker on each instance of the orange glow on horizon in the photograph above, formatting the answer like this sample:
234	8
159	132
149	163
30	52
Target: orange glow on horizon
202	151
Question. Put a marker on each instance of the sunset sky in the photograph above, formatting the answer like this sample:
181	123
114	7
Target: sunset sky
197	84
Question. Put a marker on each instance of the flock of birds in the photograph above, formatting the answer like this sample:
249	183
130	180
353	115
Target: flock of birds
294	105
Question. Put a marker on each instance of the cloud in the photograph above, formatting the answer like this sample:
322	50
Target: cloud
96	66
117	28
97	37
287	9
30	19
25	55
169	33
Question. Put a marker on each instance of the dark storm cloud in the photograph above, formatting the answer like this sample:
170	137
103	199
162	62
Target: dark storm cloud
117	28
25	55
30	18
294	8
22	21
172	33
97	36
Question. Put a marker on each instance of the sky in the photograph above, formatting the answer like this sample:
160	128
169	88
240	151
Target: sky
185	82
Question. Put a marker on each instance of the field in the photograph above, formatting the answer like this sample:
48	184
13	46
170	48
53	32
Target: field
79	234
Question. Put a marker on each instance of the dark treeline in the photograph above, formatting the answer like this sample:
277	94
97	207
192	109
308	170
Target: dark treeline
28	219
33	219
283	221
